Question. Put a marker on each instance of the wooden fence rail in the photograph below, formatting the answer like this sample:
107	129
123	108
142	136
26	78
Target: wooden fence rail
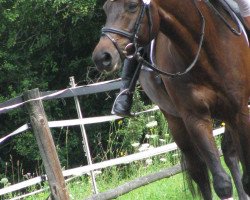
66	93
136	183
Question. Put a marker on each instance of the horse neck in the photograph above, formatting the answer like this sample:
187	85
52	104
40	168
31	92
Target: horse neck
181	22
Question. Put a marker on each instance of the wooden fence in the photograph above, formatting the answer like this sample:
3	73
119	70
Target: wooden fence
39	123
41	126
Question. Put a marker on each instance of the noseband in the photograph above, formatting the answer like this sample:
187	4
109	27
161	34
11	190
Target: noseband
133	37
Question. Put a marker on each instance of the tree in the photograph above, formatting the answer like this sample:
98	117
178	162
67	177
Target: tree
42	43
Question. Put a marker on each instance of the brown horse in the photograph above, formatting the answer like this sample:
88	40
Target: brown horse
216	85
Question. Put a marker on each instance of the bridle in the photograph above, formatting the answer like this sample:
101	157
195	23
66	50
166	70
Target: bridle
133	37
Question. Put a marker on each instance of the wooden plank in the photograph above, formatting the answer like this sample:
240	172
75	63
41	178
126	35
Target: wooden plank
46	145
73	122
139	182
21	185
134	184
69	92
85	90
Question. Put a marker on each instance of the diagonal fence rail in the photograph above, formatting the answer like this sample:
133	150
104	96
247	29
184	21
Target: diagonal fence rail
65	93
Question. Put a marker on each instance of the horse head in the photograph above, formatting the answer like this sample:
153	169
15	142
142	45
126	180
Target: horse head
130	24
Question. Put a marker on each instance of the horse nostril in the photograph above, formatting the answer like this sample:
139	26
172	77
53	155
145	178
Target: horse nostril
106	59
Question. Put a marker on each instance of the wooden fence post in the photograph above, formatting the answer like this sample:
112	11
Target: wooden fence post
46	145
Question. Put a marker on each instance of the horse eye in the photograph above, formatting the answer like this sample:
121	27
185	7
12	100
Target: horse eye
132	7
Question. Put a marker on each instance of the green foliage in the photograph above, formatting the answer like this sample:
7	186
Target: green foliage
69	148
26	146
4	182
41	38
126	135
43	43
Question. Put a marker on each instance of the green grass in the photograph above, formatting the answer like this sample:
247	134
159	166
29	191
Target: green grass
172	188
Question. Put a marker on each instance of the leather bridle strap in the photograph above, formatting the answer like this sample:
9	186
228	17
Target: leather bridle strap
154	67
131	36
137	26
126	34
115	44
229	10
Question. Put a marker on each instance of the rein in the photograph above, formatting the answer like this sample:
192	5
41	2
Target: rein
238	32
231	13
154	67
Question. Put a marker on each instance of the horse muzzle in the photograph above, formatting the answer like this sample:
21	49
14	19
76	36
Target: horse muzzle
103	61
106	59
